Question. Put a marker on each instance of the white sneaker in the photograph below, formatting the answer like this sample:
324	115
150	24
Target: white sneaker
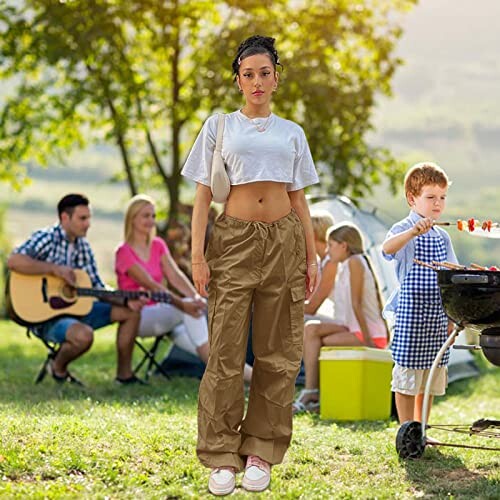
222	481
257	474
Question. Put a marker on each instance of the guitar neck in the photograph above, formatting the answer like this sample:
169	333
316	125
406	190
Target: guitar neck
161	297
125	294
104	294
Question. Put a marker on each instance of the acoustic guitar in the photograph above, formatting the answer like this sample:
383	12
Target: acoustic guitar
36	298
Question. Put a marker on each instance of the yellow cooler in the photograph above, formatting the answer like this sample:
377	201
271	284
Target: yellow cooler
355	383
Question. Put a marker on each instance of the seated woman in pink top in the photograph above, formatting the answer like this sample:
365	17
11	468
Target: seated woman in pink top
143	262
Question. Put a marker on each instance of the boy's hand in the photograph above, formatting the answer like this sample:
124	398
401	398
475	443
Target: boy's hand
422	226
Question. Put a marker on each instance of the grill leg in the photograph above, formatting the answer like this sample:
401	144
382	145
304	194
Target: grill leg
437	360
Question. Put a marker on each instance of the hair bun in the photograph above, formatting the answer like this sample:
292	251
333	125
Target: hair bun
256	44
257	40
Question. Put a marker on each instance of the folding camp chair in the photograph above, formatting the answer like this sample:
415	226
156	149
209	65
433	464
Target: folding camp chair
149	356
52	349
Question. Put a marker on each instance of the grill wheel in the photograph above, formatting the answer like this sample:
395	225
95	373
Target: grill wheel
409	440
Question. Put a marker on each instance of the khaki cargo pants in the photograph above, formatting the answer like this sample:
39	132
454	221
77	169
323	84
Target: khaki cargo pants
260	267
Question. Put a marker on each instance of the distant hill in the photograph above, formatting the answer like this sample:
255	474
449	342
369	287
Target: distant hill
446	108
446	96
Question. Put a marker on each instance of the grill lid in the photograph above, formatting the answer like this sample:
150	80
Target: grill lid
470	297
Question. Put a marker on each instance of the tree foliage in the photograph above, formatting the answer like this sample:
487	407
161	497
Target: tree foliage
143	75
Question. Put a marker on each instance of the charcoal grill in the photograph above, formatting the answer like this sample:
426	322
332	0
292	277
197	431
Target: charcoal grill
471	299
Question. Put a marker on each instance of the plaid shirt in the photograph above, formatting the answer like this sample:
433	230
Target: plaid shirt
51	245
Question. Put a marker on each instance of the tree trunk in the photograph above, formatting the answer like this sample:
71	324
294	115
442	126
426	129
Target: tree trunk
119	132
120	140
173	185
132	185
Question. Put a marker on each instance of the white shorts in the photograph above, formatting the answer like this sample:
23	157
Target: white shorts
158	319
411	381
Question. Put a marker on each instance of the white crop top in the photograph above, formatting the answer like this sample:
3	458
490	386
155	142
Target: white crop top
279	154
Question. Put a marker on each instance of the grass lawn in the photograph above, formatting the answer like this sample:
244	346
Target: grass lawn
106	441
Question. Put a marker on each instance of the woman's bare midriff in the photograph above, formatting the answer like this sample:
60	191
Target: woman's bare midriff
263	201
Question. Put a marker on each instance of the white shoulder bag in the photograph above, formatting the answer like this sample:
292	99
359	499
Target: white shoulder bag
219	180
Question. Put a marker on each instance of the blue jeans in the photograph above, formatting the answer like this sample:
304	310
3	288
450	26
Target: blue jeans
55	330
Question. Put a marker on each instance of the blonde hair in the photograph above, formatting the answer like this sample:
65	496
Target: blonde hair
134	206
349	233
321	221
424	174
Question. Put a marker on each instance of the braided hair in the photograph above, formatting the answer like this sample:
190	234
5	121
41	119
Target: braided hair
253	45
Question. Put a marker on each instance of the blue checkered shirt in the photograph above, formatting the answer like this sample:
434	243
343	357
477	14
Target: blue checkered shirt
51	245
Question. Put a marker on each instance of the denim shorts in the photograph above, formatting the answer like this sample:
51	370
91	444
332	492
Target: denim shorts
55	329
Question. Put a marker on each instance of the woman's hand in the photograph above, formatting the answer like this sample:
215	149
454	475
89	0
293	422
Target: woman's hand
201	276
312	274
137	304
192	307
200	301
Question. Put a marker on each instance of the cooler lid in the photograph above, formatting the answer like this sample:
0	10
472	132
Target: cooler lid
355	354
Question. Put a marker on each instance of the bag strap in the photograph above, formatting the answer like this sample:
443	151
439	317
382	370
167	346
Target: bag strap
220	131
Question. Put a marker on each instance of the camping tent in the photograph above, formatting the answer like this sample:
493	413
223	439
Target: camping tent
372	227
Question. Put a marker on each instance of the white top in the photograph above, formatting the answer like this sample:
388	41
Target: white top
279	154
344	312
327	307
324	261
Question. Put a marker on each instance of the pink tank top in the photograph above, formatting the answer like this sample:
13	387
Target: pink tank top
125	258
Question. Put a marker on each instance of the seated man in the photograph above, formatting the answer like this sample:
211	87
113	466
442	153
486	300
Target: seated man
58	250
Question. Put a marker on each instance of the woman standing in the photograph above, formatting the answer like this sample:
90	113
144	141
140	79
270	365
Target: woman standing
260	258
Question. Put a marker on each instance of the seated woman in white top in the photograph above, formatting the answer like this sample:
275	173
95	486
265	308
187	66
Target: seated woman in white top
319	304
358	310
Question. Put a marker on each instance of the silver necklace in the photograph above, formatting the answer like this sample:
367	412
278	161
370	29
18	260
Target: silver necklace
260	128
